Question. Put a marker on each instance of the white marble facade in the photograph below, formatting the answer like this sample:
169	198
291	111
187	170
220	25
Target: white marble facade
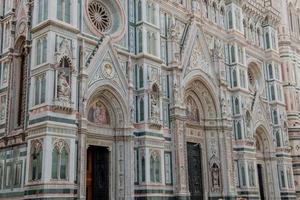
152	81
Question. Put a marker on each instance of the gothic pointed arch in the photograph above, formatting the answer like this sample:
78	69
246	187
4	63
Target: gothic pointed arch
203	94
264	141
105	107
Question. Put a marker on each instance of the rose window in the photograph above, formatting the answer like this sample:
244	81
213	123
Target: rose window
99	16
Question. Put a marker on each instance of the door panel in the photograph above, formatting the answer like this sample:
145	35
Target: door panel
260	182
195	171
97	177
89	175
101	174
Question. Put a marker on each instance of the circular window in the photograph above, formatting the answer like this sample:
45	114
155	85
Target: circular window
99	16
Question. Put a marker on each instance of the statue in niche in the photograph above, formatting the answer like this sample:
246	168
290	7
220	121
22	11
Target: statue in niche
63	86
248	124
154	106
98	113
192	110
215	174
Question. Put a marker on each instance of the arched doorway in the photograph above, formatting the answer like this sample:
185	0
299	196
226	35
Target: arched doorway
107	145
262	155
202	163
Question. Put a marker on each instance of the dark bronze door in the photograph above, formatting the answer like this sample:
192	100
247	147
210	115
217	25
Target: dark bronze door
260	182
195	171
98	174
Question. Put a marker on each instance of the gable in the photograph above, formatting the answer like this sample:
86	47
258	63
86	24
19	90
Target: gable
104	67
259	113
197	57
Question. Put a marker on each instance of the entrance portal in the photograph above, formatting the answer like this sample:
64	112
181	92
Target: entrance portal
260	181
97	176
195	171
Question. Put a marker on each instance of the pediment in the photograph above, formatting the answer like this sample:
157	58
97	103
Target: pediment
105	67
197	57
260	113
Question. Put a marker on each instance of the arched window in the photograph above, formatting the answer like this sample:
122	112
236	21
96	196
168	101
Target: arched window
230	20
236	106
279	93
40	89
36	161
283	185
275	117
243	172
245	28
64	79
274	45
241	55
298	22
155	167
258	37
222	17
141	110
242	78
268	40
153	44
149	42
232	51
141	77
272	93
252	33
139	10
143	169
205	7
41	50
238	130
42	10
60	161
149	12
153	14
289	177
6	35
270	69
215	16
278	139
140	41
291	21
237	20
64	10
234	78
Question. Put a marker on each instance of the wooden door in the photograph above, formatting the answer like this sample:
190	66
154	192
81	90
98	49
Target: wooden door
195	171
89	175
260	181
101	174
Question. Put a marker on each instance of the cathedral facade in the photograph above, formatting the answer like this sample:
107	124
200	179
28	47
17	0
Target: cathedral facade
150	99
